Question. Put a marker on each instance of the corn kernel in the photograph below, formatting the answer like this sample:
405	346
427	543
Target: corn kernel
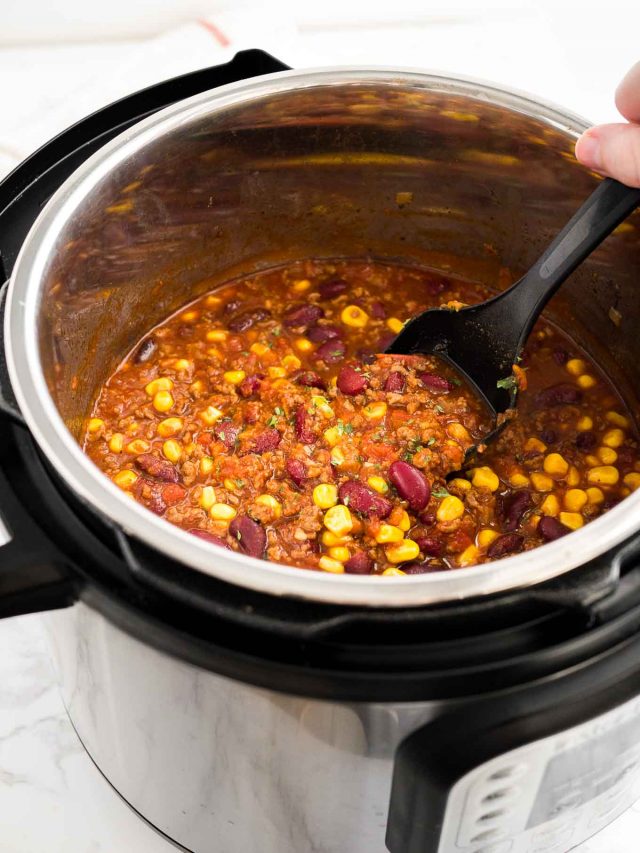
613	438
450	509
354	316
189	316
207	497
393	572
95	424
163	383
541	482
116	442
222	512
555	464
469	556
259	349
618	420
573	477
518	481
303	345
595	495
535	444
460	483
206	465
235	377
172	450
591	460
330	540
125	479
632	480
337	457
576	366
405	522
395	325
388	533
276	372
213	301
624	492
606	455
459	432
210	415
575	499
572	520
271	503
550	505
401	552
138	446
162	401
169	427
301	285
486	537
197	387
327	564
181	364
338	520
332	436
291	362
375	411
132	429
585	423
378	484
586	381
603	475
325	495
216	336
339	553
485	478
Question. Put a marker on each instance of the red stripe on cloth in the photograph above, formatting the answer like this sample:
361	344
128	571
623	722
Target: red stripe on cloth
216	32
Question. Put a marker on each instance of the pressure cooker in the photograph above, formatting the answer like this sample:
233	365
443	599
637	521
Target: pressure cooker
241	705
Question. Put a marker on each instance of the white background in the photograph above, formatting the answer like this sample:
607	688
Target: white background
59	60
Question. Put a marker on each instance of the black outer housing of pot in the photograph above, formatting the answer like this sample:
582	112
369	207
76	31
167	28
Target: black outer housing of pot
533	661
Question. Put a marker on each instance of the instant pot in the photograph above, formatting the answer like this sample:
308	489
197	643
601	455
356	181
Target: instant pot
240	705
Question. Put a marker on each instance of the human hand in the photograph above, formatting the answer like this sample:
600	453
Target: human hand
614	149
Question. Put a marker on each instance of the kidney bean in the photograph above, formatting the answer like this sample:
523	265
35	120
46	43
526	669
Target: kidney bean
209	537
250	385
333	288
550	528
304	433
331	352
395	382
227	432
560	356
156	503
267	440
434	383
549	436
366	356
144	352
364	500
249	535
429	545
385	341
421	568
351	381
586	441
161	469
302	316
411	484
377	310
247	319
512	506
232	306
297	471
359	564
559	395
310	379
508	543
427	518
320	334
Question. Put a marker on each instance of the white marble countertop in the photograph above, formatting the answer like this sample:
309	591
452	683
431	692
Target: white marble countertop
51	796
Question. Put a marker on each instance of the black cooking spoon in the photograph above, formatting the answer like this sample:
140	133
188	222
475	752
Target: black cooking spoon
484	341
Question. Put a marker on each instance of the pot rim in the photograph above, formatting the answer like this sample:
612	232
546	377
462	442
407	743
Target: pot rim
87	481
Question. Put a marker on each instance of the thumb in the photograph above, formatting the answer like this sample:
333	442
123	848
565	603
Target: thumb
613	150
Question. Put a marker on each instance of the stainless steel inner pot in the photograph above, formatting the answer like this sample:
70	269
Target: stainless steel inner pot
288	166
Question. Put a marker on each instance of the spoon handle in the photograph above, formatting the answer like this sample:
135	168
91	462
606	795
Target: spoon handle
603	211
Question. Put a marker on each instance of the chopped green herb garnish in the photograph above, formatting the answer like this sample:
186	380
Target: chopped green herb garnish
439	409
345	500
509	383
277	331
278	410
440	493
431	442
240	484
273	420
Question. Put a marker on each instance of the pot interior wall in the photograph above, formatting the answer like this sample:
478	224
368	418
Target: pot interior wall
420	173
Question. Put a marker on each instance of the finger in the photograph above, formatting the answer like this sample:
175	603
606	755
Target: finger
628	94
613	150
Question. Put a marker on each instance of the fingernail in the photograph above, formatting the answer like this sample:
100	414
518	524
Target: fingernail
588	151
